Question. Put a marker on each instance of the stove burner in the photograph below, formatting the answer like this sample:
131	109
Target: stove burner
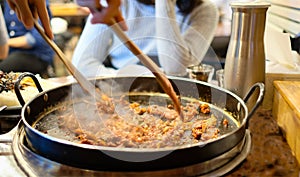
34	165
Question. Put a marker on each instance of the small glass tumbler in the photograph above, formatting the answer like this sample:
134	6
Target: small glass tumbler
220	77
202	72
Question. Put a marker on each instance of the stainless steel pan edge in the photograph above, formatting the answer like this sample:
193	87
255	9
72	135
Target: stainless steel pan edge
101	158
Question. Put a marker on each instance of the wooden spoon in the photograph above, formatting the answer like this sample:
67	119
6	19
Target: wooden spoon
145	60
88	87
83	82
94	5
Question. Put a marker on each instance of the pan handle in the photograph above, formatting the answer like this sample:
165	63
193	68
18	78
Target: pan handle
261	87
18	86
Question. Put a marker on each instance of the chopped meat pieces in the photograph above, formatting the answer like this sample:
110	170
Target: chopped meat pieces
205	129
137	125
204	108
225	123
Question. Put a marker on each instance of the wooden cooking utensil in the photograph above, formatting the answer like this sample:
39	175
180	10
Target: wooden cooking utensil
89	88
94	5
82	81
145	60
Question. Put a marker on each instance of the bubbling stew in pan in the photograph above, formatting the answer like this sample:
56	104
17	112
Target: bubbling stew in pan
134	121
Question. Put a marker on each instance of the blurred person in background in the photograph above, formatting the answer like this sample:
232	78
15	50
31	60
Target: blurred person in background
29	10
190	36
174	33
3	37
28	51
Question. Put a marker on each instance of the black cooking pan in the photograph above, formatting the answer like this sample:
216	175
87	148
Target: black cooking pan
137	159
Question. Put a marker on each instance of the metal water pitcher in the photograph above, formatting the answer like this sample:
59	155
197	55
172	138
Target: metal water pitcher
245	59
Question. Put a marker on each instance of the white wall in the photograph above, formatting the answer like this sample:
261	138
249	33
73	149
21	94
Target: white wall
225	9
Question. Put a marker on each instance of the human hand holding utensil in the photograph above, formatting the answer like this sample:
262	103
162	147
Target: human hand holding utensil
30	10
96	9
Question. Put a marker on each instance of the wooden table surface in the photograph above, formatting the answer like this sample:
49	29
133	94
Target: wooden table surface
286	111
290	91
68	10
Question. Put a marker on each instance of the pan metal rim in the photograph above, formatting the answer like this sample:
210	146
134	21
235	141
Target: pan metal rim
233	157
139	150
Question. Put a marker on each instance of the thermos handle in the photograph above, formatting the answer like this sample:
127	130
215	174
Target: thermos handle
261	87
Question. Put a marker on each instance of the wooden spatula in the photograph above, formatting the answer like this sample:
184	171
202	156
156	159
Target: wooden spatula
164	82
82	81
145	60
89	88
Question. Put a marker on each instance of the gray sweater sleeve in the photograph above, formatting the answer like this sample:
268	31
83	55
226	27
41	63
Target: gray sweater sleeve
181	45
3	30
176	45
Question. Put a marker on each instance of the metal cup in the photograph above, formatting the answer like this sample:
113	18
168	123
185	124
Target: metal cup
220	77
202	72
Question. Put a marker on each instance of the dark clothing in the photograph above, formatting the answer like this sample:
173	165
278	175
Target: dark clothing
24	62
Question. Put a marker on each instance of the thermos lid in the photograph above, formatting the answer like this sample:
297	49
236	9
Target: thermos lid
253	4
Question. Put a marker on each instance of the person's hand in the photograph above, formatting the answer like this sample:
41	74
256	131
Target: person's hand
30	10
108	15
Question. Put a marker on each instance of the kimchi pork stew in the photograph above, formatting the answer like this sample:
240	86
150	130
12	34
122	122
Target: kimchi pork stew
137	120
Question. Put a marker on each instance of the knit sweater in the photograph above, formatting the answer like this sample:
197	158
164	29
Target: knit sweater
177	40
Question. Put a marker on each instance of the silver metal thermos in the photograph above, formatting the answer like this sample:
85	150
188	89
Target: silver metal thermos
245	59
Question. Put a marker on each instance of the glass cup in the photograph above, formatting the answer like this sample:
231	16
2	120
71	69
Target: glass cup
220	77
202	72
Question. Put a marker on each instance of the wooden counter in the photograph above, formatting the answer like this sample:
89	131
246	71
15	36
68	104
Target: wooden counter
286	110
68	10
269	86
